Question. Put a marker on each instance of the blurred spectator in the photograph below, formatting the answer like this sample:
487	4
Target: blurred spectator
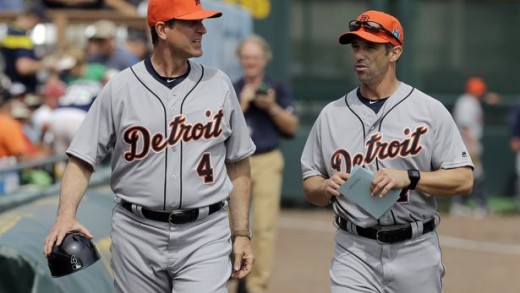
31	103
68	116
41	117
21	62
72	109
514	143
13	141
137	43
73	66
102	41
469	117
268	107
21	112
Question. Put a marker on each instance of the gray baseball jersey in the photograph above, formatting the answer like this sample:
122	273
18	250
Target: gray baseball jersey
169	147
412	130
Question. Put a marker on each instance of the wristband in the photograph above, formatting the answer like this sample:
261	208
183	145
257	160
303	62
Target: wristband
242	233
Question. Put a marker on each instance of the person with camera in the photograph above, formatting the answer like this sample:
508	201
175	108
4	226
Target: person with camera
269	111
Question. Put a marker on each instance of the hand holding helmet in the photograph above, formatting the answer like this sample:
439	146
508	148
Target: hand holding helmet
75	253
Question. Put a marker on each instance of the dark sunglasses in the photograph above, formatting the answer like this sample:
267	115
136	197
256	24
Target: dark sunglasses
372	27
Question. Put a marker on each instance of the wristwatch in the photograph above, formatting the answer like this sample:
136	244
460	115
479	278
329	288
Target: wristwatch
414	176
242	233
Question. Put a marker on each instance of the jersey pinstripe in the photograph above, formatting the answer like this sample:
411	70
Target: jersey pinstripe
412	130
169	147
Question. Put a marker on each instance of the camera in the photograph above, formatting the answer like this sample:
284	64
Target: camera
262	89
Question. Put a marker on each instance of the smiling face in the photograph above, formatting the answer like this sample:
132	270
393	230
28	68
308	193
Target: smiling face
185	38
373	61
253	59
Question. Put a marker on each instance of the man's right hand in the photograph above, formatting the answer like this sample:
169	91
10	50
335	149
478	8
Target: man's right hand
332	185
61	227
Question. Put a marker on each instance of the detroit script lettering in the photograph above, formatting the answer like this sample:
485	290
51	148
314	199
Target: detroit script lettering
376	148
141	141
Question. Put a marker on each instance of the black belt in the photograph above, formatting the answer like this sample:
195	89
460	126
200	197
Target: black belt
387	236
175	216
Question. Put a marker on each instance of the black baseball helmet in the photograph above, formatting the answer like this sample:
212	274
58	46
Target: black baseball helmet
75	253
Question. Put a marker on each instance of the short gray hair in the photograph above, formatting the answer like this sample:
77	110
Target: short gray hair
260	42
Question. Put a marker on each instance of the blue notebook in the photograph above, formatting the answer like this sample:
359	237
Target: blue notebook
357	190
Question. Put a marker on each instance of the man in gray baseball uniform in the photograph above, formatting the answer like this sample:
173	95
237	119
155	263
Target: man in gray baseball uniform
180	149
410	143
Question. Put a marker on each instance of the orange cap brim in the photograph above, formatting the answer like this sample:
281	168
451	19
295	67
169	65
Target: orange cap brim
201	14
346	38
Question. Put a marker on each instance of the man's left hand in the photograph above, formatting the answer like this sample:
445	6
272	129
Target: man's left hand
242	257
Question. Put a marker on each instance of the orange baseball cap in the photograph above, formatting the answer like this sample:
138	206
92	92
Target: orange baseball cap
476	86
164	10
393	31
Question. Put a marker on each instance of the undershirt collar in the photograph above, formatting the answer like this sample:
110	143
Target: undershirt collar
375	105
166	81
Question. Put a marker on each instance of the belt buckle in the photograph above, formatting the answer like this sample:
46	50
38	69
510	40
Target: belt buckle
377	237
174	213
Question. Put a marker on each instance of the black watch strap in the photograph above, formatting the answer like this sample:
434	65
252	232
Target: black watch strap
414	175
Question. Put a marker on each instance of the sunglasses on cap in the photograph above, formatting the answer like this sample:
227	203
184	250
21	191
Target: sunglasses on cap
372	27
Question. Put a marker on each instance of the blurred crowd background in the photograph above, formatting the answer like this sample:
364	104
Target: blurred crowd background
76	46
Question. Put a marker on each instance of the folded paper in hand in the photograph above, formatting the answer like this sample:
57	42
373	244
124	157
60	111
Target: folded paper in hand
357	190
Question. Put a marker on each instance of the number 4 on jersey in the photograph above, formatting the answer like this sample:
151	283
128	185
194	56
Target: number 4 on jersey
204	168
